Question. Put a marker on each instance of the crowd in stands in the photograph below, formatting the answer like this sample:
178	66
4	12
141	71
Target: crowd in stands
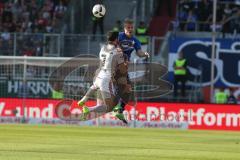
29	16
197	15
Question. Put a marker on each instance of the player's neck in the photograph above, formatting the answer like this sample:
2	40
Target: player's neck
128	35
110	46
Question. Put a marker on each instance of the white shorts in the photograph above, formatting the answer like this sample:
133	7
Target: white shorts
105	85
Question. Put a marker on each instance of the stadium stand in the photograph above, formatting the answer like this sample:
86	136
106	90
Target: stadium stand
29	17
197	16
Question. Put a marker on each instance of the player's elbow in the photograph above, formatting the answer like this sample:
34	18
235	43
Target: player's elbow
140	53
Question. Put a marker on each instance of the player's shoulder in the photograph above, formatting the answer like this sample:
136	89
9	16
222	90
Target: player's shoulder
103	46
121	35
118	51
135	38
136	41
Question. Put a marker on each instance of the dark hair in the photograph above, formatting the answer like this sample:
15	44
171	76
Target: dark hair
112	36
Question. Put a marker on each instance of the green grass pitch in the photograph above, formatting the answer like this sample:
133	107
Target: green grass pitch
36	142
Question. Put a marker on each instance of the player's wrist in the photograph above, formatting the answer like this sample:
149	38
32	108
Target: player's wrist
146	54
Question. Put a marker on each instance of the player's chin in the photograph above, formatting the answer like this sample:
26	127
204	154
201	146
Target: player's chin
130	34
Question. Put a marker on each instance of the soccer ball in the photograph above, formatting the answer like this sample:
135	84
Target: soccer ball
98	10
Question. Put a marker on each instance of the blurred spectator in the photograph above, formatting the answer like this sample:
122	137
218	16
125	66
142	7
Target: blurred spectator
28	51
25	16
227	25
5	36
200	14
141	33
231	98
204	11
182	18
31	71
219	18
29	16
220	96
1	8
97	22
57	92
7	15
60	10
231	22
118	26
142	36
5	42
180	74
23	90
191	21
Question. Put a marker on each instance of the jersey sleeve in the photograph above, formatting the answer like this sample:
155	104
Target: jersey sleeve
137	44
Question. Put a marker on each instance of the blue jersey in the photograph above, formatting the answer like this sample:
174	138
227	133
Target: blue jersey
128	44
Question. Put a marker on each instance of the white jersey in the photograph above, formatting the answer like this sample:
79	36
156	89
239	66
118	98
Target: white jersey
109	59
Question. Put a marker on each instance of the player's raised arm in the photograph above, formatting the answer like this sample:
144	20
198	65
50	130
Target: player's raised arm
140	53
137	47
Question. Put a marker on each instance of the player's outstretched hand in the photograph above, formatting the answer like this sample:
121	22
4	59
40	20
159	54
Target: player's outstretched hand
147	54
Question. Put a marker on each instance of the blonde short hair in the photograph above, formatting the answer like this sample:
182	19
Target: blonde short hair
128	21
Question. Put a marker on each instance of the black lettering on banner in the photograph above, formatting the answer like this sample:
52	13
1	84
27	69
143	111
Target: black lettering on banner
231	63
191	53
198	56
